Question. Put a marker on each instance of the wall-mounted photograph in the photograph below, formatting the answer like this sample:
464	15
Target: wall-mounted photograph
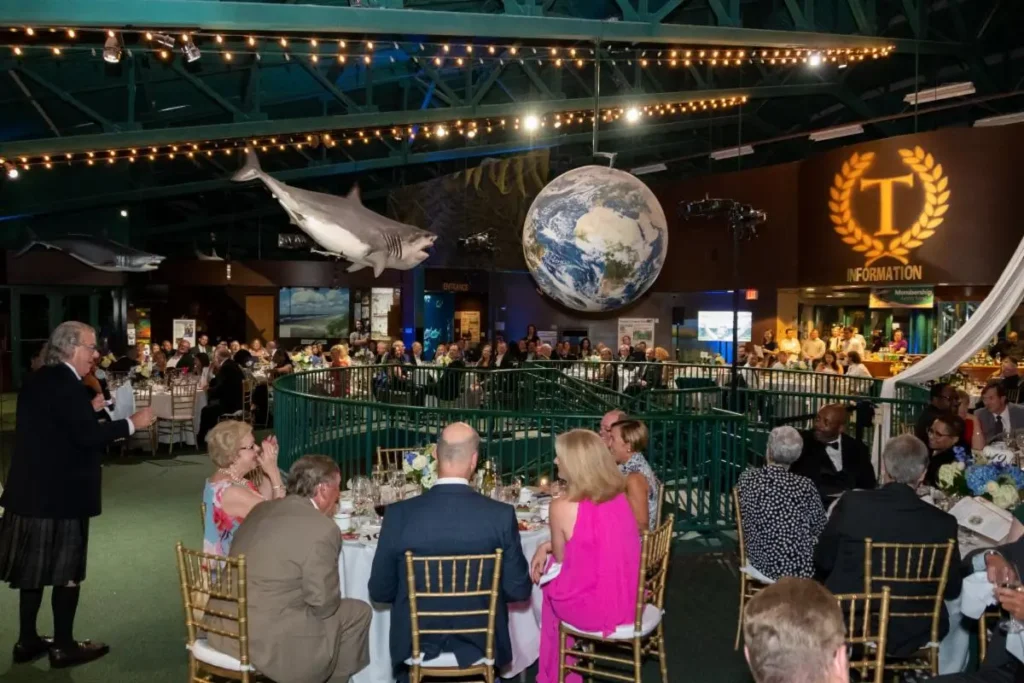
318	313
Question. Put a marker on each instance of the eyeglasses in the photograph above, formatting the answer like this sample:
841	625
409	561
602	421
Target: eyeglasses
250	447
932	432
91	347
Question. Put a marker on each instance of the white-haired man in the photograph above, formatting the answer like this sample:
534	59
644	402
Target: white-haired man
782	512
607	422
53	491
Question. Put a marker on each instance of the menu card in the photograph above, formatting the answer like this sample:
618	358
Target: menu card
983	518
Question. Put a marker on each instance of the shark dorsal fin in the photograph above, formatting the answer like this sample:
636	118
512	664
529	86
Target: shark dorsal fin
353	194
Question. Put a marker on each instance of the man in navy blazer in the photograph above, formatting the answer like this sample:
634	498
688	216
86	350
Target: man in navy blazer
449	519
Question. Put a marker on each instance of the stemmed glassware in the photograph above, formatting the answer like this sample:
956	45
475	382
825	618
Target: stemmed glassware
1009	578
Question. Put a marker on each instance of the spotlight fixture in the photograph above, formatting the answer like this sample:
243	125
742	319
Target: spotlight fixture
943	92
632	115
112	50
814	59
838	132
1002	120
12	171
162	39
531	123
732	152
190	50
441	131
124	213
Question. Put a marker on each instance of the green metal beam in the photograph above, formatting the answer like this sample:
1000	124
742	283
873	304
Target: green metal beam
325	20
198	84
860	17
322	170
107	125
336	92
315	124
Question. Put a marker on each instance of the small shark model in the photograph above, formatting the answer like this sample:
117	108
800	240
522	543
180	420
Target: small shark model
344	227
212	256
99	253
479	242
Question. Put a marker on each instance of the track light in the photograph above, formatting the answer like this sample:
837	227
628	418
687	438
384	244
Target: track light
12	171
632	115
112	50
531	123
162	39
190	50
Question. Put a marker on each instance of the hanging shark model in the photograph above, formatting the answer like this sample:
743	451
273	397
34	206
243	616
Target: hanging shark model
99	253
344	227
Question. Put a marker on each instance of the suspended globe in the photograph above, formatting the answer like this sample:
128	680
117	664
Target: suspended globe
595	239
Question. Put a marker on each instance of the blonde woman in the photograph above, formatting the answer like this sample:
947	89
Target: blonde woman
595	588
228	495
340	359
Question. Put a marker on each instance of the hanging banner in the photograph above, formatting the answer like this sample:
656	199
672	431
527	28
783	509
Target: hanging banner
902	297
638	329
184	328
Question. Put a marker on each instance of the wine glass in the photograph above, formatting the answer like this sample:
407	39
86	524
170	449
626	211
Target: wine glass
557	488
1008	577
362	492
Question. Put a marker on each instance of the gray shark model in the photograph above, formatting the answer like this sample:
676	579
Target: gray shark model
344	227
99	253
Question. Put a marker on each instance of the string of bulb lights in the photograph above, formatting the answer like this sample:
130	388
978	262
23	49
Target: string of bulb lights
469	129
165	43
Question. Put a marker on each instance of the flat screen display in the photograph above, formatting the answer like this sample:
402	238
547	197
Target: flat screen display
317	313
716	326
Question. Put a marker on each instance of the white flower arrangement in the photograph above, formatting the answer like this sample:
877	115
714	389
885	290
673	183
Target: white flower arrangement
444	361
420	466
107	360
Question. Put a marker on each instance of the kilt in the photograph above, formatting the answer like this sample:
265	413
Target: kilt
37	552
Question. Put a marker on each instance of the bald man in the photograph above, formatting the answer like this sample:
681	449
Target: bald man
834	461
449	519
610	418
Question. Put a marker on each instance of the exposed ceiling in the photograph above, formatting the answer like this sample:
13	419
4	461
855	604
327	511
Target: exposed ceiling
75	102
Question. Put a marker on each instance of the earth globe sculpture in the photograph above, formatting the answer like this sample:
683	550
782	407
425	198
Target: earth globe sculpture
595	239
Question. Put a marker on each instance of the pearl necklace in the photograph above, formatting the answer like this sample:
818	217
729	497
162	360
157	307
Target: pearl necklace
235	479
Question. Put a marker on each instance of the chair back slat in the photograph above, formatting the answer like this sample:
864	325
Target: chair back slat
739	527
867	627
654	557
390	458
428	581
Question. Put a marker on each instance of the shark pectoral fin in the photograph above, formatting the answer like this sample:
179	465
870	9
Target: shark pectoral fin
378	260
250	169
354	267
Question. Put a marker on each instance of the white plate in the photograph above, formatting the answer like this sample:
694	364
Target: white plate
526	515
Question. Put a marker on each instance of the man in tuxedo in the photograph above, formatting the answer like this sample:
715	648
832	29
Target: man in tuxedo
203	344
998	418
450	519
639	353
834	461
224	394
891	514
182	357
940	403
504	360
53	491
300	628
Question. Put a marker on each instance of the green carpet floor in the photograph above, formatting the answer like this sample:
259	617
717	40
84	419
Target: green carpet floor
131	598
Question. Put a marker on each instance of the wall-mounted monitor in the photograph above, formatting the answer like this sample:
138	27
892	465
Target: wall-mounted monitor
716	326
313	313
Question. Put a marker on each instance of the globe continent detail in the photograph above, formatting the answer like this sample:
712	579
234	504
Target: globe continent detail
595	239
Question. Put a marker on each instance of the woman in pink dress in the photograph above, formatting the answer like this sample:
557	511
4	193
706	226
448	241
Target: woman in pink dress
594	537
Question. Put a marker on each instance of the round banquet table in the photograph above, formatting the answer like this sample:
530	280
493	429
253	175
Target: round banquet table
124	405
523	617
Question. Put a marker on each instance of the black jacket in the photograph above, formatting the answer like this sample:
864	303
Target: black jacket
226	387
891	514
55	470
449	519
814	463
123	364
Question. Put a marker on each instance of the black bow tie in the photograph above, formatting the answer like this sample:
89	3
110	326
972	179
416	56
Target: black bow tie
832	444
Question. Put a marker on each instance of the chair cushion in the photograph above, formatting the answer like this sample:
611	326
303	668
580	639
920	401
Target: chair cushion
445	660
648	622
204	652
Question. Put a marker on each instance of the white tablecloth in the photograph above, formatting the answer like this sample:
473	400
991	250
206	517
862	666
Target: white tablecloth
161	404
523	618
124	402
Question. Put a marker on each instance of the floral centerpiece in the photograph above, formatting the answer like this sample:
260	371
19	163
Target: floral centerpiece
990	475
301	361
443	361
107	360
420	466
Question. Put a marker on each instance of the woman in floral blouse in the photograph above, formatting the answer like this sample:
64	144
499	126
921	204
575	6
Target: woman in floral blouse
228	495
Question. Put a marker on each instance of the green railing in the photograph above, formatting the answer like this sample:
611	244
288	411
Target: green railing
348	414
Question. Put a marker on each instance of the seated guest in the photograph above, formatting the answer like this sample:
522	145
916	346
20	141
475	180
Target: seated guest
596	586
224	395
781	361
834	461
1009	373
449	519
159	369
945	441
832	361
627	443
243	359
339	356
998	418
891	514
182	356
281	364
639	353
234	347
203	344
782	512
899	344
794	632
201	369
940	402
822	367
257	350
228	495
854	366
126	362
167	347
963	405
300	628
416	357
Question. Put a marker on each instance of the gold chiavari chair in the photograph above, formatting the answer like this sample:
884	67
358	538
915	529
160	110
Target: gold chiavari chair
867	627
661	502
202	517
644	636
183	409
990	613
144	399
912	566
245	414
207	582
749	586
391	458
470	578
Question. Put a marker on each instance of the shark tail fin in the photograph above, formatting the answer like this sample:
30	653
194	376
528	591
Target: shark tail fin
250	170
32	241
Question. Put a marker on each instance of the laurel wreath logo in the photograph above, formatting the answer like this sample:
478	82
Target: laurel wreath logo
935	206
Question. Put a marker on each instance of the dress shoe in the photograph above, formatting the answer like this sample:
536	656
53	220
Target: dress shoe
31	650
79	653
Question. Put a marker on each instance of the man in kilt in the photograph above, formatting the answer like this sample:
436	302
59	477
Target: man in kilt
52	492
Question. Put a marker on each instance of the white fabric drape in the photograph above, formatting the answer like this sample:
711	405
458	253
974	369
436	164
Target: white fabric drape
986	322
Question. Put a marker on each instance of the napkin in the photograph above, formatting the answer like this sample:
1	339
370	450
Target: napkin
977	595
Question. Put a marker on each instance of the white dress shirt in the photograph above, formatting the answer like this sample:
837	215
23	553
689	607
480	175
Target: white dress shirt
857	370
452	480
854	343
835	453
131	425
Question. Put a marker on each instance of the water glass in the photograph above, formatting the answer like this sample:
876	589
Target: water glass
1009	578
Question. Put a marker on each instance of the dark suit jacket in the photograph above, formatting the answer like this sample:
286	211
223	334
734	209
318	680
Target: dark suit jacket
891	514
814	463
55	470
123	364
449	519
226	387
508	361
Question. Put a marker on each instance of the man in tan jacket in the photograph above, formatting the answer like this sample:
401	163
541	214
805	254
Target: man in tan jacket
300	628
